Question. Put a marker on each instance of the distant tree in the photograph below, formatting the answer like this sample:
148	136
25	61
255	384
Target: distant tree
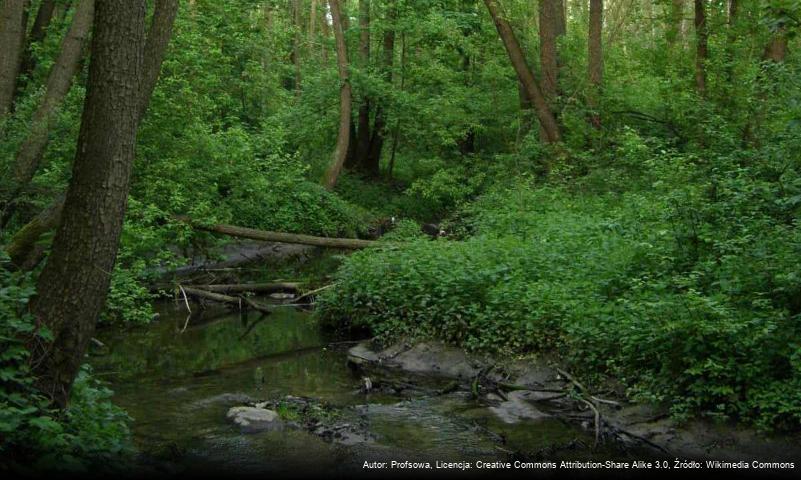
595	54
345	99
701	46
543	110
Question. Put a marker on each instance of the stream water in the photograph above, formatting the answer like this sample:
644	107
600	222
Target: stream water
177	387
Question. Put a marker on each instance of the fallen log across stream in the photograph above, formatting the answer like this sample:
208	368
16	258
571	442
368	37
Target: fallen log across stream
280	237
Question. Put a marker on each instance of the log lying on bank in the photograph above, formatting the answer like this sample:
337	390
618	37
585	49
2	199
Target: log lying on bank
280	237
218	297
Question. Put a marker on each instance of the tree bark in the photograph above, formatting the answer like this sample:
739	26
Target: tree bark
543	110
776	49
59	82
280	237
296	44
345	99
38	32
158	39
23	244
363	135
377	140
13	20
551	27
73	285
701	47
596	61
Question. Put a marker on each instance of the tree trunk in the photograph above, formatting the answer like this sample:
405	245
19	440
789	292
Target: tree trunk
73	286
23	243
596	61
37	35
676	19
343	137
13	24
158	39
701	47
776	50
59	82
22	249
312	21
377	140
296	44
363	135
551	26
524	74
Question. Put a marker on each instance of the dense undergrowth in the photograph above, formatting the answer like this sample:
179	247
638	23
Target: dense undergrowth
684	285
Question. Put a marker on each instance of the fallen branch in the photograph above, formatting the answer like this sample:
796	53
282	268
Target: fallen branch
218	297
280	237
251	287
313	292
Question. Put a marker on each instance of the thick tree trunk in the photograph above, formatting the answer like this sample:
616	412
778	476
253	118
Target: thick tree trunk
363	135
377	140
37	35
701	47
73	286
24	243
345	99
543	110
596	61
13	20
280	237
59	82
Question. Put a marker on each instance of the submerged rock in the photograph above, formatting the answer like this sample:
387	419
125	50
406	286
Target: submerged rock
254	419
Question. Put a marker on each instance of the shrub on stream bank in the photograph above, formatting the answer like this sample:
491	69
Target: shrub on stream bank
684	303
90	432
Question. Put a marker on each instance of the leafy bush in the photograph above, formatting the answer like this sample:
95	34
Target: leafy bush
687	300
90	432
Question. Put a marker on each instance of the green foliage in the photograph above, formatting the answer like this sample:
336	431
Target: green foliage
91	431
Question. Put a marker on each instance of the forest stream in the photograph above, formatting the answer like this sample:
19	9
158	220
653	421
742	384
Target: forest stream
177	387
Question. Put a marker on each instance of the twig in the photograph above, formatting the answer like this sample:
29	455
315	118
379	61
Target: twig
313	292
186	301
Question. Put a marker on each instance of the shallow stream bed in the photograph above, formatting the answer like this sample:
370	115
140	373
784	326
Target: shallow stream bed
179	386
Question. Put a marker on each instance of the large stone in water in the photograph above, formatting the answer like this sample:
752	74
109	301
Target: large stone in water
253	419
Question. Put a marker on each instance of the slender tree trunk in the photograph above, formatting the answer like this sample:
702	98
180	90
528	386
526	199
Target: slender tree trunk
38	32
296	44
676	19
13	20
312	21
701	47
551	26
396	130
546	117
73	286
596	61
377	140
326	31
22	248
345	99
59	82
363	135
